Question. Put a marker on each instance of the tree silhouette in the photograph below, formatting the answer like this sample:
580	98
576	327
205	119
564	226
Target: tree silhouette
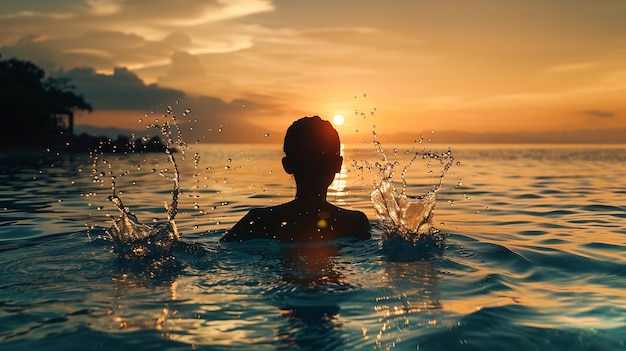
35	109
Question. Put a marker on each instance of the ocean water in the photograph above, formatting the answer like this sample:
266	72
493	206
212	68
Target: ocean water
534	256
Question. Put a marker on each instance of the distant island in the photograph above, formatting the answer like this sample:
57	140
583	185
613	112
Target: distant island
38	112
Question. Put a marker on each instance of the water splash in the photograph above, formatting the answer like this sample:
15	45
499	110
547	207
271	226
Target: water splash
407	221
135	240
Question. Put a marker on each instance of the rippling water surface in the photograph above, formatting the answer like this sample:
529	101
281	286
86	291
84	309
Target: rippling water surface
534	259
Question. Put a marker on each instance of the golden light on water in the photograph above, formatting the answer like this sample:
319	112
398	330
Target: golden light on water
337	188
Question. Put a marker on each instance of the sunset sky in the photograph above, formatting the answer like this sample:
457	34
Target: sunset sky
499	70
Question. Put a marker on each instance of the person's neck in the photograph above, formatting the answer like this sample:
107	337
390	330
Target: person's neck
311	190
309	197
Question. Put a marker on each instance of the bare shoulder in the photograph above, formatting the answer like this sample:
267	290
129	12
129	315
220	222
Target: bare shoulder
353	222
348	214
246	227
258	223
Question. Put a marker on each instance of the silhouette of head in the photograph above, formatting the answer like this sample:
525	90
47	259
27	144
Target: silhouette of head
312	148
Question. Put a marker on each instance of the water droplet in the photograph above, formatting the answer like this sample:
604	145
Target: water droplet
266	135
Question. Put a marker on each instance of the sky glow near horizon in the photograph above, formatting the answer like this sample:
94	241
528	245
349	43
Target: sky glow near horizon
257	65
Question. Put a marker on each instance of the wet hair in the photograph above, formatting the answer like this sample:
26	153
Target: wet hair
311	141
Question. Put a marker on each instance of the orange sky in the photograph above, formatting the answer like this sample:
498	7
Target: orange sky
477	67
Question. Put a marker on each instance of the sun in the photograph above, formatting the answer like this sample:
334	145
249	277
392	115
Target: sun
338	120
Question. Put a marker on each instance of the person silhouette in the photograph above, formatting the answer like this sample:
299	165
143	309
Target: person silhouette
312	156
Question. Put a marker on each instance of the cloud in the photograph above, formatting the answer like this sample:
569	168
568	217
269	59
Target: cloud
133	34
35	14
253	119
188	73
185	65
600	113
122	90
219	11
104	7
212	119
102	50
572	67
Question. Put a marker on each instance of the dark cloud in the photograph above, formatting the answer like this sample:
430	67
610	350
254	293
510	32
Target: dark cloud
600	113
184	66
211	119
122	90
215	120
